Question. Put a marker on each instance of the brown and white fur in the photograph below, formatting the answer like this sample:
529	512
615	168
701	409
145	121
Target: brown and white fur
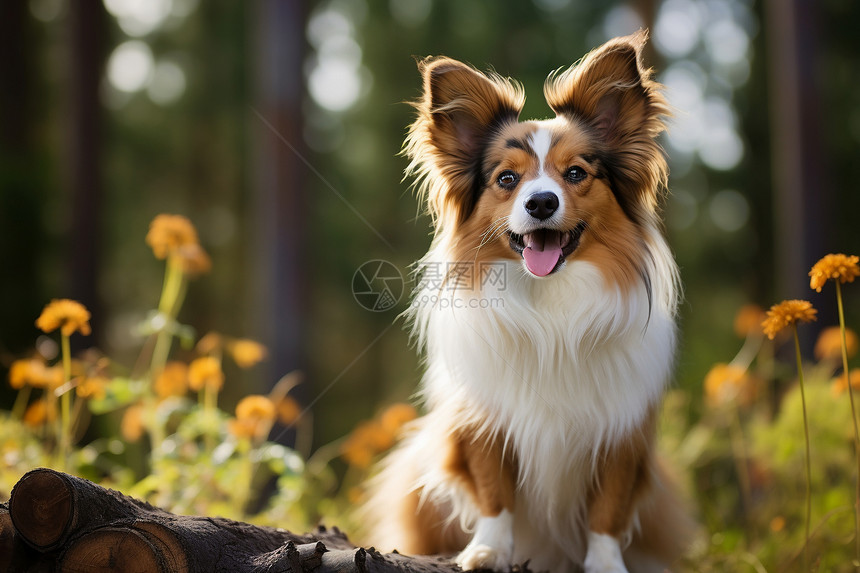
541	388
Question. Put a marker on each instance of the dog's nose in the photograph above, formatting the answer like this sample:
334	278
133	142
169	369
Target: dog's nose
542	205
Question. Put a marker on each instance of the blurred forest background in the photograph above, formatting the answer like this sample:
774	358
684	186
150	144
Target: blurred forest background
275	127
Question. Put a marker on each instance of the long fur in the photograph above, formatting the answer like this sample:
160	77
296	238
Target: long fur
564	370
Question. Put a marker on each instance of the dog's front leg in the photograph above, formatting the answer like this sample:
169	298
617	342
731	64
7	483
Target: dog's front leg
481	466
622	475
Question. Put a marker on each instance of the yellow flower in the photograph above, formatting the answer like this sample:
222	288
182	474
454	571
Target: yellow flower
787	313
254	417
173	380
724	382
167	233
840	383
357	454
288	410
39	413
256	408
210	343
131	427
192	259
829	343
777	524
748	320
242	428
205	371
247	352
95	387
68	315
20	373
395	416
33	372
839	267
366	440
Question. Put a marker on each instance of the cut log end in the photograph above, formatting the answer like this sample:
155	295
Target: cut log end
41	506
111	550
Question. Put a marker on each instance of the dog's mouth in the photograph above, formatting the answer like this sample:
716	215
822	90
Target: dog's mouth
544	250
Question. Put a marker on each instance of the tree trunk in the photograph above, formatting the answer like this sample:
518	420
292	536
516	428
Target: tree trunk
58	522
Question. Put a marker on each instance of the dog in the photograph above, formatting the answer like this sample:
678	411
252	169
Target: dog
546	313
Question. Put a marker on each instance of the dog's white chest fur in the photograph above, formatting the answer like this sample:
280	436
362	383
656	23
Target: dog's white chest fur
558	367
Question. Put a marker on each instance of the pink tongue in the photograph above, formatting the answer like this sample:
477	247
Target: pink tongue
542	252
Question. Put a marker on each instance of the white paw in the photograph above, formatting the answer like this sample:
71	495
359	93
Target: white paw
604	555
480	556
492	544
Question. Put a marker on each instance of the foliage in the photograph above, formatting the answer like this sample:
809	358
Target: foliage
747	456
70	411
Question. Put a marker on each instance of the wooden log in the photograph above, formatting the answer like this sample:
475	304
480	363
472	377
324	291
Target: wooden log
58	522
48	506
15	555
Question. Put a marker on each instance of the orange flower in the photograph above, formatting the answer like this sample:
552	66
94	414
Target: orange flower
256	408
38	413
20	373
254	417
366	440
95	387
787	313
777	524
167	233
132	426
242	429
247	352
288	410
173	380
68	315
829	343
357	454
211	342
205	371
840	384
725	382
192	259
748	320
395	416
33	372
839	267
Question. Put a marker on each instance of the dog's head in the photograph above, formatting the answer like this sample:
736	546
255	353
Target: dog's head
582	185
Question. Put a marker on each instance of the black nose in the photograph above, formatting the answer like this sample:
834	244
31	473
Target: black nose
542	205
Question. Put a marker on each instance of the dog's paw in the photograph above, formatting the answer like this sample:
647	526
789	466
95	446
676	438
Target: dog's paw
604	555
481	556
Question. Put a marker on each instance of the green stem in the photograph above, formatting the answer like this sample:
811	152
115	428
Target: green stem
246	475
854	420
739	452
168	307
21	401
66	402
806	436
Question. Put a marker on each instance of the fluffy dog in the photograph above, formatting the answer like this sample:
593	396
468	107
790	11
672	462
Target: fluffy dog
546	313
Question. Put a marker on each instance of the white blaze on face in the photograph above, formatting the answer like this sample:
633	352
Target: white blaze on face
541	140
542	248
521	221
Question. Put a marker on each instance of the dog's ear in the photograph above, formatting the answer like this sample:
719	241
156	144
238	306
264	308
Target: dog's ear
613	94
459	109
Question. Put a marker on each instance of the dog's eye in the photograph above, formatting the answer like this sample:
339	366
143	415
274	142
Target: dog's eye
508	179
575	174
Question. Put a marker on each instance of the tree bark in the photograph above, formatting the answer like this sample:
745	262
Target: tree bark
58	522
